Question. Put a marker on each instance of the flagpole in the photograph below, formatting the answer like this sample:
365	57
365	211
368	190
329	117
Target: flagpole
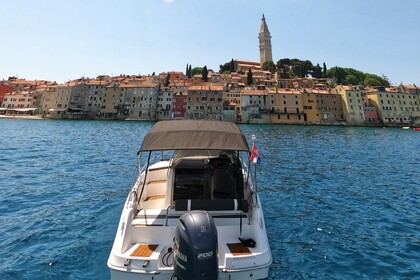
255	172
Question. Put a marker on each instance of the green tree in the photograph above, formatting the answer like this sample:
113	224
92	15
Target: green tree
232	66
228	66
317	71
324	71
249	79
166	81
189	72
386	80
351	80
358	74
204	74
224	67
284	68
371	81
196	71
269	66
338	73
186	70
375	80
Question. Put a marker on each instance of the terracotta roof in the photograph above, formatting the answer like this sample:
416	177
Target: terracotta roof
214	88
253	92
410	86
283	91
247	61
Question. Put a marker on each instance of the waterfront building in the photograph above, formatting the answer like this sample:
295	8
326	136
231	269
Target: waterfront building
254	106
110	106
164	104
322	105
352	102
415	95
370	111
286	106
230	113
395	107
233	96
140	99
310	107
41	94
205	102
18	103
91	96
264	38
58	102
232	104
179	105
4	89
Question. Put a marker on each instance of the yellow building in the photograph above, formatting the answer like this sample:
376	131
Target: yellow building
352	102
394	106
233	98
286	106
110	107
310	107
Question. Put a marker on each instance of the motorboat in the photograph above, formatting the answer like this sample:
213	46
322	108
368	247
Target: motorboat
193	211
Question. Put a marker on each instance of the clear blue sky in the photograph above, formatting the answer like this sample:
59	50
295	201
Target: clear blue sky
62	40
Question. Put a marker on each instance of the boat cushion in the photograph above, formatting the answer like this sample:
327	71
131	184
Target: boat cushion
211	205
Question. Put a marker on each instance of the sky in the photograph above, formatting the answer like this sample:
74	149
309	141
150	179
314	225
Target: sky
63	40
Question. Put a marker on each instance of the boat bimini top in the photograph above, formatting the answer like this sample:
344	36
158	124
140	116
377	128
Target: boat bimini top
194	135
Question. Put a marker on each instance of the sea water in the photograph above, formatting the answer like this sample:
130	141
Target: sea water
339	202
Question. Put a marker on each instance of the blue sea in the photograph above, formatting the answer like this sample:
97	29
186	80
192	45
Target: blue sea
339	202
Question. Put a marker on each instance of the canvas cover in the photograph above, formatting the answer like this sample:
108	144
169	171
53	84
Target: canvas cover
196	135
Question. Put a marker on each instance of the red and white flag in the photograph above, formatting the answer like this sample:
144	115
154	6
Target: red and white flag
255	156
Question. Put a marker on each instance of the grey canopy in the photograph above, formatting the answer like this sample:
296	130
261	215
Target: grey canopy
194	135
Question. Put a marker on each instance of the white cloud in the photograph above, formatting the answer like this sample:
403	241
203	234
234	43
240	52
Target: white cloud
168	1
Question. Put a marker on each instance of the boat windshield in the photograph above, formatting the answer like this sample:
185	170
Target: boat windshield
232	155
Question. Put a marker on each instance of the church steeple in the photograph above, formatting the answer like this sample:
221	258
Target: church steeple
265	42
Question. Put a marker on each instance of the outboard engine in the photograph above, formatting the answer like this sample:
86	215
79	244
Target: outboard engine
195	251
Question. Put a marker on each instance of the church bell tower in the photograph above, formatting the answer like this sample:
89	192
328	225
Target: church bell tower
265	42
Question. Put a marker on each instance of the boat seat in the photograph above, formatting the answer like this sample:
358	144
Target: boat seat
211	205
223	185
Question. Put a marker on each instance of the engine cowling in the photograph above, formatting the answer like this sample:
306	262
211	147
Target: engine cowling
195	250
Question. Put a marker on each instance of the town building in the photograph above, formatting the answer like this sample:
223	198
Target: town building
18	103
254	106
395	107
243	66
352	102
205	102
286	106
322	105
4	89
140	99
179	105
110	105
164	104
